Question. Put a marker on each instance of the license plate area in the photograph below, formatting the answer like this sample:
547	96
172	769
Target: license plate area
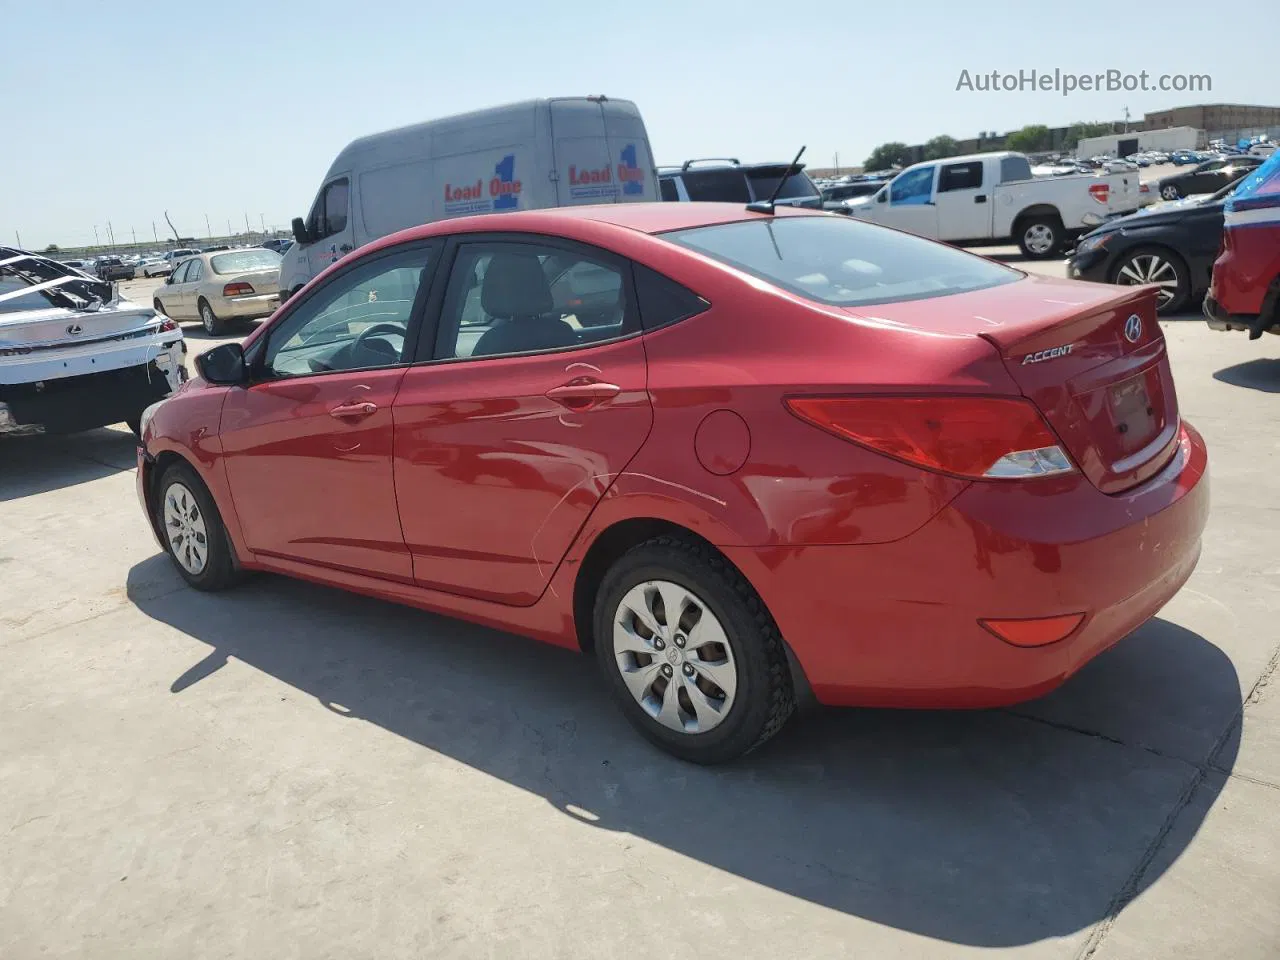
1134	415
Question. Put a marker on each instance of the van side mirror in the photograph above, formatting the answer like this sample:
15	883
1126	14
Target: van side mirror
300	232
223	365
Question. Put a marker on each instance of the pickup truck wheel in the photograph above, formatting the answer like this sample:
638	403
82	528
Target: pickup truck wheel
212	325
1040	237
1159	266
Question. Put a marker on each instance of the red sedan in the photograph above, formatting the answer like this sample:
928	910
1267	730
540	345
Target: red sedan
739	457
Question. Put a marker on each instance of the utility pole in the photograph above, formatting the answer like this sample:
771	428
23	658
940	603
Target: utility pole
19	236
1126	119
228	226
95	236
208	230
247	229
111	235
263	218
837	163
155	232
135	235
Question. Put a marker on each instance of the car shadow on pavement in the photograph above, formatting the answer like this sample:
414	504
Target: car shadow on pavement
987	828
39	464
1262	373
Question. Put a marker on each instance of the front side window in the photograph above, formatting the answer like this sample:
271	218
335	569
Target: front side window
335	207
508	298
357	321
914	186
180	273
842	261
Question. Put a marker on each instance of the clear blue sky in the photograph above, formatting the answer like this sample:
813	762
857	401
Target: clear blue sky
119	111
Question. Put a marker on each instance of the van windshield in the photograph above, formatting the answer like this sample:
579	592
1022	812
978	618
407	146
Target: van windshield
843	262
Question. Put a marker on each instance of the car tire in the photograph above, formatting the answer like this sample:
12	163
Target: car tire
1170	191
1158	265
737	671
192	530
209	320
1040	238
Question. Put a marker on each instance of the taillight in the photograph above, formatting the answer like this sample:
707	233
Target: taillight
1100	191
975	437
238	289
167	325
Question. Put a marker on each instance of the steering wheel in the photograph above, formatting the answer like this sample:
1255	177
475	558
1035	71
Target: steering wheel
359	342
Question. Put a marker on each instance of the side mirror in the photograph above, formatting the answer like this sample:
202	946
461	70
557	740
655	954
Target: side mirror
882	196
223	365
300	232
168	278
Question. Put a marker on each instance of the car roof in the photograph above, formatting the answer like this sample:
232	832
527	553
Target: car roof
587	223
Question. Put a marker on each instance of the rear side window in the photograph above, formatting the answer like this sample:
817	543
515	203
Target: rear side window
843	262
662	300
797	185
1013	169
668	188
960	176
716	186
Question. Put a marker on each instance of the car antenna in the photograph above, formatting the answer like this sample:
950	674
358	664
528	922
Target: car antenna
766	206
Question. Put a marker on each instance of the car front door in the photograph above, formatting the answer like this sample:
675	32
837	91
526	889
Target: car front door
963	201
330	226
307	444
168	296
528	404
910	203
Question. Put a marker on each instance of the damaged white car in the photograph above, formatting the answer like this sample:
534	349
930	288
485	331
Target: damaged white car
73	354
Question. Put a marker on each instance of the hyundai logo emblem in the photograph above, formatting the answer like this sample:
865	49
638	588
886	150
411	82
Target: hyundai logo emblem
1133	328
75	329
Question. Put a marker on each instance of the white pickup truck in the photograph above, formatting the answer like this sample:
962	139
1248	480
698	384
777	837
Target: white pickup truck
992	198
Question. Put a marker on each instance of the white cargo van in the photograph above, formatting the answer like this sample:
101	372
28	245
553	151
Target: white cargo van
539	153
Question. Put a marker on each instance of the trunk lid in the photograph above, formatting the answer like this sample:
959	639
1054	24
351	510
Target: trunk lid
265	281
1099	376
57	325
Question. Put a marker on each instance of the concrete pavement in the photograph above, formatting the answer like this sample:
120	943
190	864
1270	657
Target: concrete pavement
289	771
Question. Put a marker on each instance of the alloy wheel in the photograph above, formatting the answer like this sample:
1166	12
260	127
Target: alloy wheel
206	317
1169	192
673	655
185	529
1151	268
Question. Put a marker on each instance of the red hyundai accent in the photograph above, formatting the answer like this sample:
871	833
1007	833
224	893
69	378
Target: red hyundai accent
739	457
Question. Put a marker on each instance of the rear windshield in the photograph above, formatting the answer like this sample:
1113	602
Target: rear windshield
244	260
843	262
797	185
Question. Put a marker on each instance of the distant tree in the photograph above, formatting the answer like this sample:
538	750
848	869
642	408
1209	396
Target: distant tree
51	248
1030	139
941	147
1082	130
888	155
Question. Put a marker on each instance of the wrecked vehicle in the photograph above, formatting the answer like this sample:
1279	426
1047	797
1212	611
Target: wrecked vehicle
74	355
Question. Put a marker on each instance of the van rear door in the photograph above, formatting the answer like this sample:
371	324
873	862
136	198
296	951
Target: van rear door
601	153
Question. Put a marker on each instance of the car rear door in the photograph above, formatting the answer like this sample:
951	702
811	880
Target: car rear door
520	417
584	163
307	444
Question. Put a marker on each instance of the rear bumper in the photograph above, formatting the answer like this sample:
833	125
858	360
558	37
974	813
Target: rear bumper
896	624
246	308
72	404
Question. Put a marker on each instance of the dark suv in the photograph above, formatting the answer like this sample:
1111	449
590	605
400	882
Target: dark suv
730	181
114	268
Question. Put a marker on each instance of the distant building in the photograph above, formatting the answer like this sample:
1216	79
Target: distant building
1214	118
1127	144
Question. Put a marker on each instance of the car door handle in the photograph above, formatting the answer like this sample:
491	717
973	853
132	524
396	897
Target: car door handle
345	248
353	411
980	198
583	394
